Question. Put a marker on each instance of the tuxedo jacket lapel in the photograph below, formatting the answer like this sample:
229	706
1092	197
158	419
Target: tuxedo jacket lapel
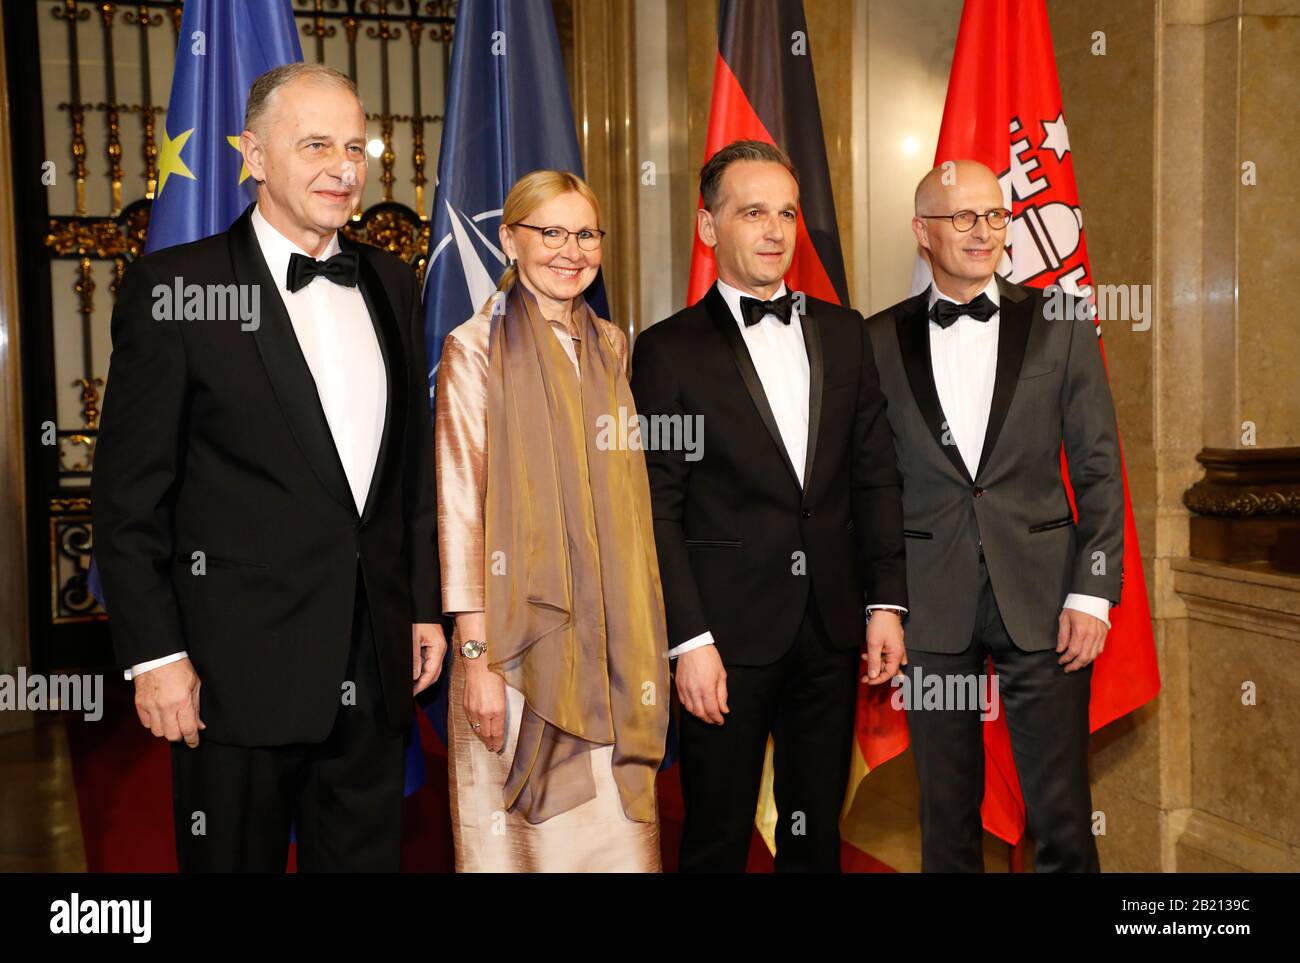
287	369
914	343
812	340
1015	316
384	320
716	305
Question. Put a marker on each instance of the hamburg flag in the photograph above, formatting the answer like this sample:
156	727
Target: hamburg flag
508	113
764	89
1010	119
202	182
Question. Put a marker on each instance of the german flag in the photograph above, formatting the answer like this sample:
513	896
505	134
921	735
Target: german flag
764	89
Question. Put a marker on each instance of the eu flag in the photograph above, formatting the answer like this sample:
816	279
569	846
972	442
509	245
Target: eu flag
202	183
507	114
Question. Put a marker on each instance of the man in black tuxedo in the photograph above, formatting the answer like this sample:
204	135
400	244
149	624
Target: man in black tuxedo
772	538
264	505
985	385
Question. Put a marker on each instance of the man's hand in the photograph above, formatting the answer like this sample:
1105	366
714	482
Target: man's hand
702	684
167	701
1080	638
885	652
428	646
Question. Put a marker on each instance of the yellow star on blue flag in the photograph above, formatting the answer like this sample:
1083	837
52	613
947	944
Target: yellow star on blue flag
233	141
169	159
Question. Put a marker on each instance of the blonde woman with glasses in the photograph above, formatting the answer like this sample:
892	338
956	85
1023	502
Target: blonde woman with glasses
559	689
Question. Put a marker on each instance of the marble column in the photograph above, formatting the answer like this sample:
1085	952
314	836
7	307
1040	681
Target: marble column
1183	189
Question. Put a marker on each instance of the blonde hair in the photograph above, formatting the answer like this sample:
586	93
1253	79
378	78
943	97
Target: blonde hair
532	191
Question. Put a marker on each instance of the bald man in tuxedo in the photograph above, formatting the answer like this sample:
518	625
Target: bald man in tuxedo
984	388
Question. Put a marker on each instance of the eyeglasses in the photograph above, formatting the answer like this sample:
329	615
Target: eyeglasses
997	219
556	237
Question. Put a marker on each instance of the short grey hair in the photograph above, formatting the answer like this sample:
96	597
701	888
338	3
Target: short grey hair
261	93
738	150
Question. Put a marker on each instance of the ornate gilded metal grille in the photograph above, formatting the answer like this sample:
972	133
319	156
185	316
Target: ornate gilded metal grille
105	74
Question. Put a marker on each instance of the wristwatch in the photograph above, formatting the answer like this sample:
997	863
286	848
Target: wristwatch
473	649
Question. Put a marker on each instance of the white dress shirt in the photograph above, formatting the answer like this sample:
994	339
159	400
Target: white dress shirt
338	341
337	337
781	360
964	359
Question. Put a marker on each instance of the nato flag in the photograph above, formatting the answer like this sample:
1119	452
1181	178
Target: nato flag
508	113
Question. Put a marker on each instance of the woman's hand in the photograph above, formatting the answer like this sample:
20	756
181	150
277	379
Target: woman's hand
485	690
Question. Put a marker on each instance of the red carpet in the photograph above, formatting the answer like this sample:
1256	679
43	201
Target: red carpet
123	780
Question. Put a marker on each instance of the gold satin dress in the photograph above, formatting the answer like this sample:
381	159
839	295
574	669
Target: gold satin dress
595	836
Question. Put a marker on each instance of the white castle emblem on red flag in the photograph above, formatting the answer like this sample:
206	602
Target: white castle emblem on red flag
1043	237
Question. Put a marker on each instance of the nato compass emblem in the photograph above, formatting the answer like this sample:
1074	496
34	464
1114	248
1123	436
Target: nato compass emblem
467	263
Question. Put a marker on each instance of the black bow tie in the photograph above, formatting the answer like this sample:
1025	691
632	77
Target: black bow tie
945	312
341	269
754	310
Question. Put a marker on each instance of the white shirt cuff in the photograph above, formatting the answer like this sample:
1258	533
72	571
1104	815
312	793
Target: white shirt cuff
143	667
885	605
1098	608
704	638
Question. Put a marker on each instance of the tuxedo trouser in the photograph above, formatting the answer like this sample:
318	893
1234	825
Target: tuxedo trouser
1047	716
234	806
806	701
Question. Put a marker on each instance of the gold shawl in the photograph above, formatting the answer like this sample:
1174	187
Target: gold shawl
574	609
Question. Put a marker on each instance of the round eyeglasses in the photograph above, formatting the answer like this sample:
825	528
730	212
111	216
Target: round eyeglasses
997	219
589	238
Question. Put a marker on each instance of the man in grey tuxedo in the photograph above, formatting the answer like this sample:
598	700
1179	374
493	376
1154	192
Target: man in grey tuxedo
985	380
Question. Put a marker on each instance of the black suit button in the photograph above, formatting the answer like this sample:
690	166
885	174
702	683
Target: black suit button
977	492
806	514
